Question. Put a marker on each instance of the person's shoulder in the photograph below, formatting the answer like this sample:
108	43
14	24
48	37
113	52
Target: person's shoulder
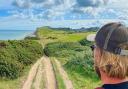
99	88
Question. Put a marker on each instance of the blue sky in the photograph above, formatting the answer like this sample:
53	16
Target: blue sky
30	14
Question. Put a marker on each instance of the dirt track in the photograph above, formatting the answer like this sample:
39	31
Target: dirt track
36	74
43	69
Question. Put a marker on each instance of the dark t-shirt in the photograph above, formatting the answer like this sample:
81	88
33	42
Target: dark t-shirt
123	85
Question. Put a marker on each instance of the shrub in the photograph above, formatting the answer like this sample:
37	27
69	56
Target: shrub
9	67
25	57
28	51
31	38
85	42
15	55
61	49
81	63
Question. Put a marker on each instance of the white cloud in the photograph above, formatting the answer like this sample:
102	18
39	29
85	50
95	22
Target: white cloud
52	9
27	24
35	10
118	4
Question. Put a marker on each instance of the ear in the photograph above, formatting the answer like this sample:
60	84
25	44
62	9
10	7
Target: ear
97	54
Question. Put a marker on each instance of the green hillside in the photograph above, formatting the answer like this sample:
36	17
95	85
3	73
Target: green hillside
47	35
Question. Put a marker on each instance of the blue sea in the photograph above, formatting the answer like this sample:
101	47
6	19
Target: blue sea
14	34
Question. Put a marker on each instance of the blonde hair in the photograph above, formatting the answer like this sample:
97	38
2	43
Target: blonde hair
115	66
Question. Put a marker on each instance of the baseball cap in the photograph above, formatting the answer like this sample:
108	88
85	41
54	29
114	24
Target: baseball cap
110	37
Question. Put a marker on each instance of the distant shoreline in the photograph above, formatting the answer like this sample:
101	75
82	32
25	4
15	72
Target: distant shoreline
15	34
15	30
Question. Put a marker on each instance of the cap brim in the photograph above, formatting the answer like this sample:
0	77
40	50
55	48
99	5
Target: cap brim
91	37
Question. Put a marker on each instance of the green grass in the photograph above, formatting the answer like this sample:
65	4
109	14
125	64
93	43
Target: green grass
83	82
42	85
47	35
60	82
81	72
43	79
16	83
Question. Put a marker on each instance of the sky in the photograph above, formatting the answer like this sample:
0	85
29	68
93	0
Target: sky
30	14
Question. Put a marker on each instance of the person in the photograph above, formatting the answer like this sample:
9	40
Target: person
111	55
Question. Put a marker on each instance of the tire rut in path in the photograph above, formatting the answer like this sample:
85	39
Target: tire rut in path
49	74
31	75
39	75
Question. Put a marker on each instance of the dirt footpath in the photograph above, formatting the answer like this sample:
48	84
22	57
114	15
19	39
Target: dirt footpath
37	72
43	70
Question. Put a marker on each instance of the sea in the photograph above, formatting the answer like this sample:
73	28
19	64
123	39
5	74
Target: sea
15	34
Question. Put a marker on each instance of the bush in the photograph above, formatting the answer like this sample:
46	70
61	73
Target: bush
85	42
9	67
31	38
28	51
61	49
15	55
81	63
25	57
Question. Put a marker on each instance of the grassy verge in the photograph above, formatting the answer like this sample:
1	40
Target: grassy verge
42	85
60	82
83	82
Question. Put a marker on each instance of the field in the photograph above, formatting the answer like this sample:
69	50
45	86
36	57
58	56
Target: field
47	35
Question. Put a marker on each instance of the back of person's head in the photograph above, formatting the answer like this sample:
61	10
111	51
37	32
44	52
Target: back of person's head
112	40
114	65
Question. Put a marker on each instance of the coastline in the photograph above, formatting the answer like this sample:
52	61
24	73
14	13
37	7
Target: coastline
15	34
